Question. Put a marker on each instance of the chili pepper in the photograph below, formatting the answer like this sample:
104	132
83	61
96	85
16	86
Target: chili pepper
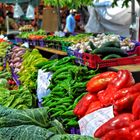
120	121
136	134
118	134
73	123
123	79
78	98
134	125
63	69
57	113
122	92
100	81
126	102
136	108
83	104
68	113
93	107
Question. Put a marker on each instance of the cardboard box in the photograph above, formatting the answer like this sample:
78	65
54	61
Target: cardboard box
50	20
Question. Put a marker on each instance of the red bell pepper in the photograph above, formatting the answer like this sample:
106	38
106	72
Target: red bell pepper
93	107
136	108
134	125
120	121
118	134
123	79
122	92
100	81
126	102
136	134
83	104
106	96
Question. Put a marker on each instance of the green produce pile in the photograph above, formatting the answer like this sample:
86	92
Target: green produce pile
20	98
32	124
28	72
74	39
5	74
3	48
67	88
27	34
110	50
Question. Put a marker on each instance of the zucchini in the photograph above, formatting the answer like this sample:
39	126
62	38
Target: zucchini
112	44
110	56
109	50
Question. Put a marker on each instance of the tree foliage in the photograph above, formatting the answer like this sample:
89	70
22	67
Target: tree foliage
79	3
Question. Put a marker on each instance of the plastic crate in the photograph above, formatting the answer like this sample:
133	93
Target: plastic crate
42	43
30	42
34	42
94	61
119	61
18	40
24	40
70	52
79	56
89	60
136	50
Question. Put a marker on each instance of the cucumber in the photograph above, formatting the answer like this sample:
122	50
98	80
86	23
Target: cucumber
110	56
109	50
92	46
112	44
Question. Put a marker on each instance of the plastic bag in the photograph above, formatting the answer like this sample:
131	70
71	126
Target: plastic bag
18	12
30	12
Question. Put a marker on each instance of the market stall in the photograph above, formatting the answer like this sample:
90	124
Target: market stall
72	97
83	86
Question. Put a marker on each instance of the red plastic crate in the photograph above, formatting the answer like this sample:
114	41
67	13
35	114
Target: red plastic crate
94	61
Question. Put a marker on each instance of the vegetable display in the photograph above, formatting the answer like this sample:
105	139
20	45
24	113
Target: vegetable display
11	96
120	90
27	34
74	91
105	41
28	72
67	86
15	58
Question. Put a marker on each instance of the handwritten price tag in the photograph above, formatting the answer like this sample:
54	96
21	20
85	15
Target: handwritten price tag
91	122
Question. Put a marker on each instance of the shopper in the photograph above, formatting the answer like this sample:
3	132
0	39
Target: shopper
70	22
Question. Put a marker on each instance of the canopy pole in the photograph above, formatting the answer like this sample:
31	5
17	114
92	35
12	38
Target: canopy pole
59	16
133	21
